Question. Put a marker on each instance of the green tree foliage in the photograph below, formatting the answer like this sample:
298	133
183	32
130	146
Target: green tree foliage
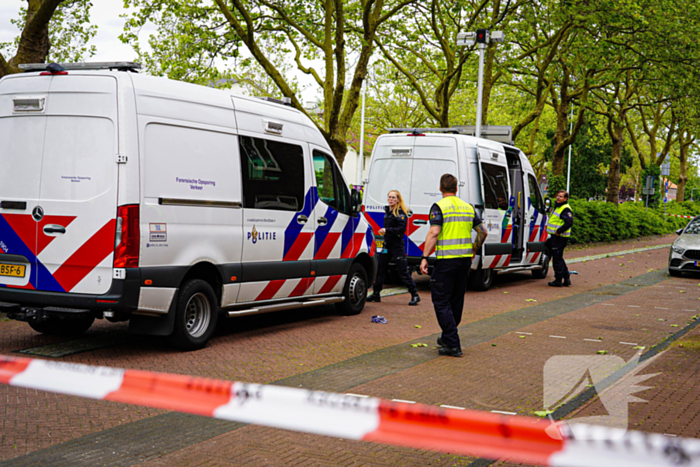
331	41
590	155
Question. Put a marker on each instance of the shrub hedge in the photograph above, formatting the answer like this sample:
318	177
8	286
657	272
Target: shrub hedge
597	221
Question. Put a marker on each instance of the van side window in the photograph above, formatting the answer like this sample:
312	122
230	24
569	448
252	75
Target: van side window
273	174
535	196
330	184
495	187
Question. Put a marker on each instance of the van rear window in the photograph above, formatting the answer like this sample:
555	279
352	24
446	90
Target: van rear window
495	181
273	174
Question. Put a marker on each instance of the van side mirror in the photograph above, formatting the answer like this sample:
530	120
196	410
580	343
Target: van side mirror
679	231
548	203
355	201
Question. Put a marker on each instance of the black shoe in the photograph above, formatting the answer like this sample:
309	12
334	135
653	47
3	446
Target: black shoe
415	298
375	297
555	283
450	351
439	342
567	282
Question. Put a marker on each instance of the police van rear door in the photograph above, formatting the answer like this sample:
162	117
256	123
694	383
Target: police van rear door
498	208
70	168
433	156
22	126
391	168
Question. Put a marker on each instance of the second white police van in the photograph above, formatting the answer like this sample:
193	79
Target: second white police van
495	177
130	197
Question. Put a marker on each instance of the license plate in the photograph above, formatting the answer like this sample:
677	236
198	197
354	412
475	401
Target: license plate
380	244
13	270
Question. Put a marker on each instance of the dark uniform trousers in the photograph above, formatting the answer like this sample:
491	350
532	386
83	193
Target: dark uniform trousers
558	244
448	285
397	252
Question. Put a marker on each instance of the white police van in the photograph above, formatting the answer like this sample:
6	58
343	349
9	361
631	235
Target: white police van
130	197
494	176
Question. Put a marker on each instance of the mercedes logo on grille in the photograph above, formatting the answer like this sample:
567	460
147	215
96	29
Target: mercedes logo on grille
38	213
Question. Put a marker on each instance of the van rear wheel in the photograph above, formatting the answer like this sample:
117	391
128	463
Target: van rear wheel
481	279
355	291
195	316
542	273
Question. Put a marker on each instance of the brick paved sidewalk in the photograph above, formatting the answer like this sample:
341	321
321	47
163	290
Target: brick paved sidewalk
320	350
670	405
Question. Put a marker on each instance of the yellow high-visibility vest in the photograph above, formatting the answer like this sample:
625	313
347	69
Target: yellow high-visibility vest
455	238
555	221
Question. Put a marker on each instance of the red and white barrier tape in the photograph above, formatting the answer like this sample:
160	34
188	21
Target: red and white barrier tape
519	439
684	217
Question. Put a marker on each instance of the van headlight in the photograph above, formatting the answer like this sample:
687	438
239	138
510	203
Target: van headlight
678	250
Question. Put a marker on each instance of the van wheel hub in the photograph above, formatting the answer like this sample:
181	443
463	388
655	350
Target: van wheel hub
198	315
357	289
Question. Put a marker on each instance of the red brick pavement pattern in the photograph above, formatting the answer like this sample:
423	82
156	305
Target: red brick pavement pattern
270	347
257	446
672	404
507	377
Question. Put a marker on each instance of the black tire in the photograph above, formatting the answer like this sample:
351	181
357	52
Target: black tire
355	291
196	314
62	327
481	279
674	272
542	273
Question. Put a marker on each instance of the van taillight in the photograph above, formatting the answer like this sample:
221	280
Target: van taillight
126	241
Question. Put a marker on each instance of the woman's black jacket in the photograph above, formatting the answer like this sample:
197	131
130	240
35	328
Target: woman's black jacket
395	230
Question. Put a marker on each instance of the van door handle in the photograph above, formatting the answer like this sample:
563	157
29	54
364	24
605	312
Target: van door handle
322	220
419	222
302	219
54	229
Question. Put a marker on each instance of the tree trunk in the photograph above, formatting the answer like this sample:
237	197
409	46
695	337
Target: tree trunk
488	83
616	130
684	141
559	136
34	41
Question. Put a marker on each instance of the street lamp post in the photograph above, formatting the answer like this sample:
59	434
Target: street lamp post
482	37
361	149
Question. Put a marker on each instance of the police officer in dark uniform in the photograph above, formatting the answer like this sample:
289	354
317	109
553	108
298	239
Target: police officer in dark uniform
559	226
395	220
451	224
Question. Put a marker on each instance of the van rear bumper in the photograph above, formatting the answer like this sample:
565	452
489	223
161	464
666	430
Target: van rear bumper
122	297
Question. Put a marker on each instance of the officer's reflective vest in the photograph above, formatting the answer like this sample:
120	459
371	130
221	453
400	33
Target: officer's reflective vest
555	221
455	238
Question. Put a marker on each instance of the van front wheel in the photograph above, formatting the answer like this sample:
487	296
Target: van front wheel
355	291
195	316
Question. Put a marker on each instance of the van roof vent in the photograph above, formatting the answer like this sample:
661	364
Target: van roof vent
284	101
119	66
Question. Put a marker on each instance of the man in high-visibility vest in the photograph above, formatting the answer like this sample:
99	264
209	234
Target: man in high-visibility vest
559	228
451	224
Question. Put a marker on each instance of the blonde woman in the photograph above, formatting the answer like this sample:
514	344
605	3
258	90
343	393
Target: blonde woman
395	221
